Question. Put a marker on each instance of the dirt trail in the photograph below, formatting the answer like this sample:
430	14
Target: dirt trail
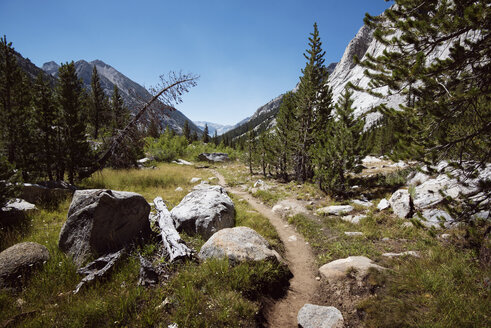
300	260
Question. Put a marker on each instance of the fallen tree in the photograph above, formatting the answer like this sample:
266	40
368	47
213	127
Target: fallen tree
169	91
176	248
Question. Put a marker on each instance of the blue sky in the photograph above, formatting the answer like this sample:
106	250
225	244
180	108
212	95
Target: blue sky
246	52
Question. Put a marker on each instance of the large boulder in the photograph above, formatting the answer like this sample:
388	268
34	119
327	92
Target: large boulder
213	157
103	221
15	211
46	192
400	201
18	261
435	217
204	211
316	316
238	244
340	268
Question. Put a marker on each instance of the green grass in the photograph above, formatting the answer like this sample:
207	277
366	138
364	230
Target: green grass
445	288
211	294
269	197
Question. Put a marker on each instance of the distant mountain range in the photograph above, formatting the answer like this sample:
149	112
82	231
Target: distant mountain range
219	128
132	93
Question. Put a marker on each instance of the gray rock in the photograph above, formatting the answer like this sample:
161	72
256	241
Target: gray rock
335	210
407	253
179	189
18	261
338	269
238	244
213	157
195	180
46	192
103	221
400	202
355	219
316	316
417	178
204	211
364	203
433	218
15	211
383	204
353	233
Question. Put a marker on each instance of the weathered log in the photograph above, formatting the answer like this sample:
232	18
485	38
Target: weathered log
174	245
98	268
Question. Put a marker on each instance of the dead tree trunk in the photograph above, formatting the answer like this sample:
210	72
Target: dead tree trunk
175	246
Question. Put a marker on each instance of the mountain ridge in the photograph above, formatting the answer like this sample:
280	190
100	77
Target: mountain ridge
133	94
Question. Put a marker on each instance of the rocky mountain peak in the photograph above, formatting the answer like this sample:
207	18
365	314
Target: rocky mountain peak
51	68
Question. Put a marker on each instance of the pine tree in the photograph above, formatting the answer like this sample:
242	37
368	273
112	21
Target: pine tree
194	136
46	120
251	149
71	99
186	131
206	137
120	114
448	109
214	139
284	137
153	129
9	181
98	104
342	151
15	109
312	96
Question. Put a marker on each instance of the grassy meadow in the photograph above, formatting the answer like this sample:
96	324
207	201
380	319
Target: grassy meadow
210	294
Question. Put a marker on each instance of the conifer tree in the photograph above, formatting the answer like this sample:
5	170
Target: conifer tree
312	96
9	180
153	129
194	136
98	104
448	108
71	99
251	149
15	109
186	131
284	137
46	120
120	114
342	151
206	137
214	139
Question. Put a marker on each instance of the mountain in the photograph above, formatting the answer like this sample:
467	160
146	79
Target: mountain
132	93
32	70
264	117
212	127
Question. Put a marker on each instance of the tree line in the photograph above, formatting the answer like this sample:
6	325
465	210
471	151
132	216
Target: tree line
314	139
54	133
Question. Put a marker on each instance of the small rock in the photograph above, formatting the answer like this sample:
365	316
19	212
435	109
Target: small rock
292	238
383	204
407	253
238	244
400	202
444	236
212	178
362	202
183	162
355	219
195	180
433	218
335	210
316	316
353	233
338	269
179	189
19	260
407	224
20	302
386	239
318	278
